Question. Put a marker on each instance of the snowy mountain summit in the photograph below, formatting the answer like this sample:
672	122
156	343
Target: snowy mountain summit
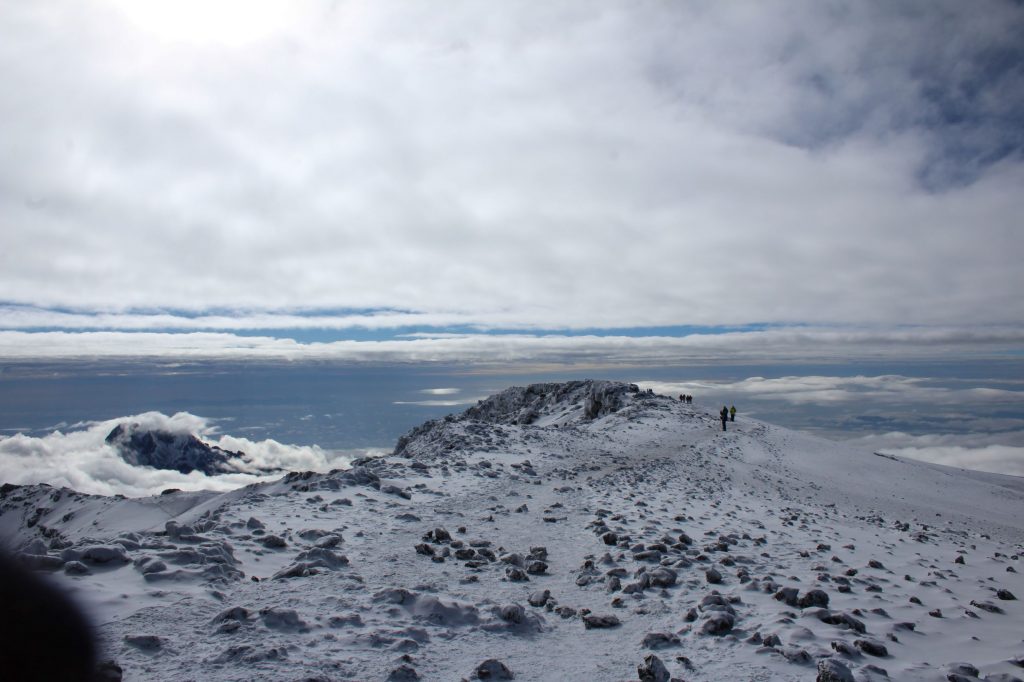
576	531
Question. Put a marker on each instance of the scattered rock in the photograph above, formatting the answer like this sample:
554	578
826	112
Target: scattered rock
831	670
395	490
788	595
76	568
659	640
718	623
813	598
663	577
871	647
963	668
234	614
512	613
513	559
98	554
536	567
282	619
273	542
403	673
652	670
870	673
493	669
843	619
539	598
844	648
144	642
796	655
516	575
299	569
593	621
986	606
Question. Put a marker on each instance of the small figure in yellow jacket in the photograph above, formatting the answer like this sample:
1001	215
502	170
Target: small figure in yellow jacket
732	413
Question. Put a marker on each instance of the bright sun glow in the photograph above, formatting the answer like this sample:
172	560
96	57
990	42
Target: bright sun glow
232	23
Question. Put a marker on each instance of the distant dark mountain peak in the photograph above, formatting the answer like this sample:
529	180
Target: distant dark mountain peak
162	449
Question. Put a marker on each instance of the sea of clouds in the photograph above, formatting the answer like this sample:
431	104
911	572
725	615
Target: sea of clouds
79	458
960	423
1001	453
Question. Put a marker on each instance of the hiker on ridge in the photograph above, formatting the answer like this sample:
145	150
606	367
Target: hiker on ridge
732	413
724	414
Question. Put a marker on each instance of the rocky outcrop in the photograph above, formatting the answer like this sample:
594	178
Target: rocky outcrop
558	404
580	399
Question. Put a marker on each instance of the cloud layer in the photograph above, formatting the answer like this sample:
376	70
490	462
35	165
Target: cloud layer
868	390
981	424
564	166
80	459
783	344
1001	453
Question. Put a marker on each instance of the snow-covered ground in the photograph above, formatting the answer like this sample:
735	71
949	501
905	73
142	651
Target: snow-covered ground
561	532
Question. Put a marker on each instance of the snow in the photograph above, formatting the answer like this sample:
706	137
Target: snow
864	542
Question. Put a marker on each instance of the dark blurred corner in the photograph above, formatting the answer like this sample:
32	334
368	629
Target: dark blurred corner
43	635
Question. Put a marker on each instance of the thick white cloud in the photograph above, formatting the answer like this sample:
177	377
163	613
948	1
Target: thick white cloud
799	344
996	459
439	403
81	459
869	390
895	440
1000	453
564	165
441	391
988	443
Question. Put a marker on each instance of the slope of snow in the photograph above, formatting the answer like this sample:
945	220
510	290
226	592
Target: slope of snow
568	531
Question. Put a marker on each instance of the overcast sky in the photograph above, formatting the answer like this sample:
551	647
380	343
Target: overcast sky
222	168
